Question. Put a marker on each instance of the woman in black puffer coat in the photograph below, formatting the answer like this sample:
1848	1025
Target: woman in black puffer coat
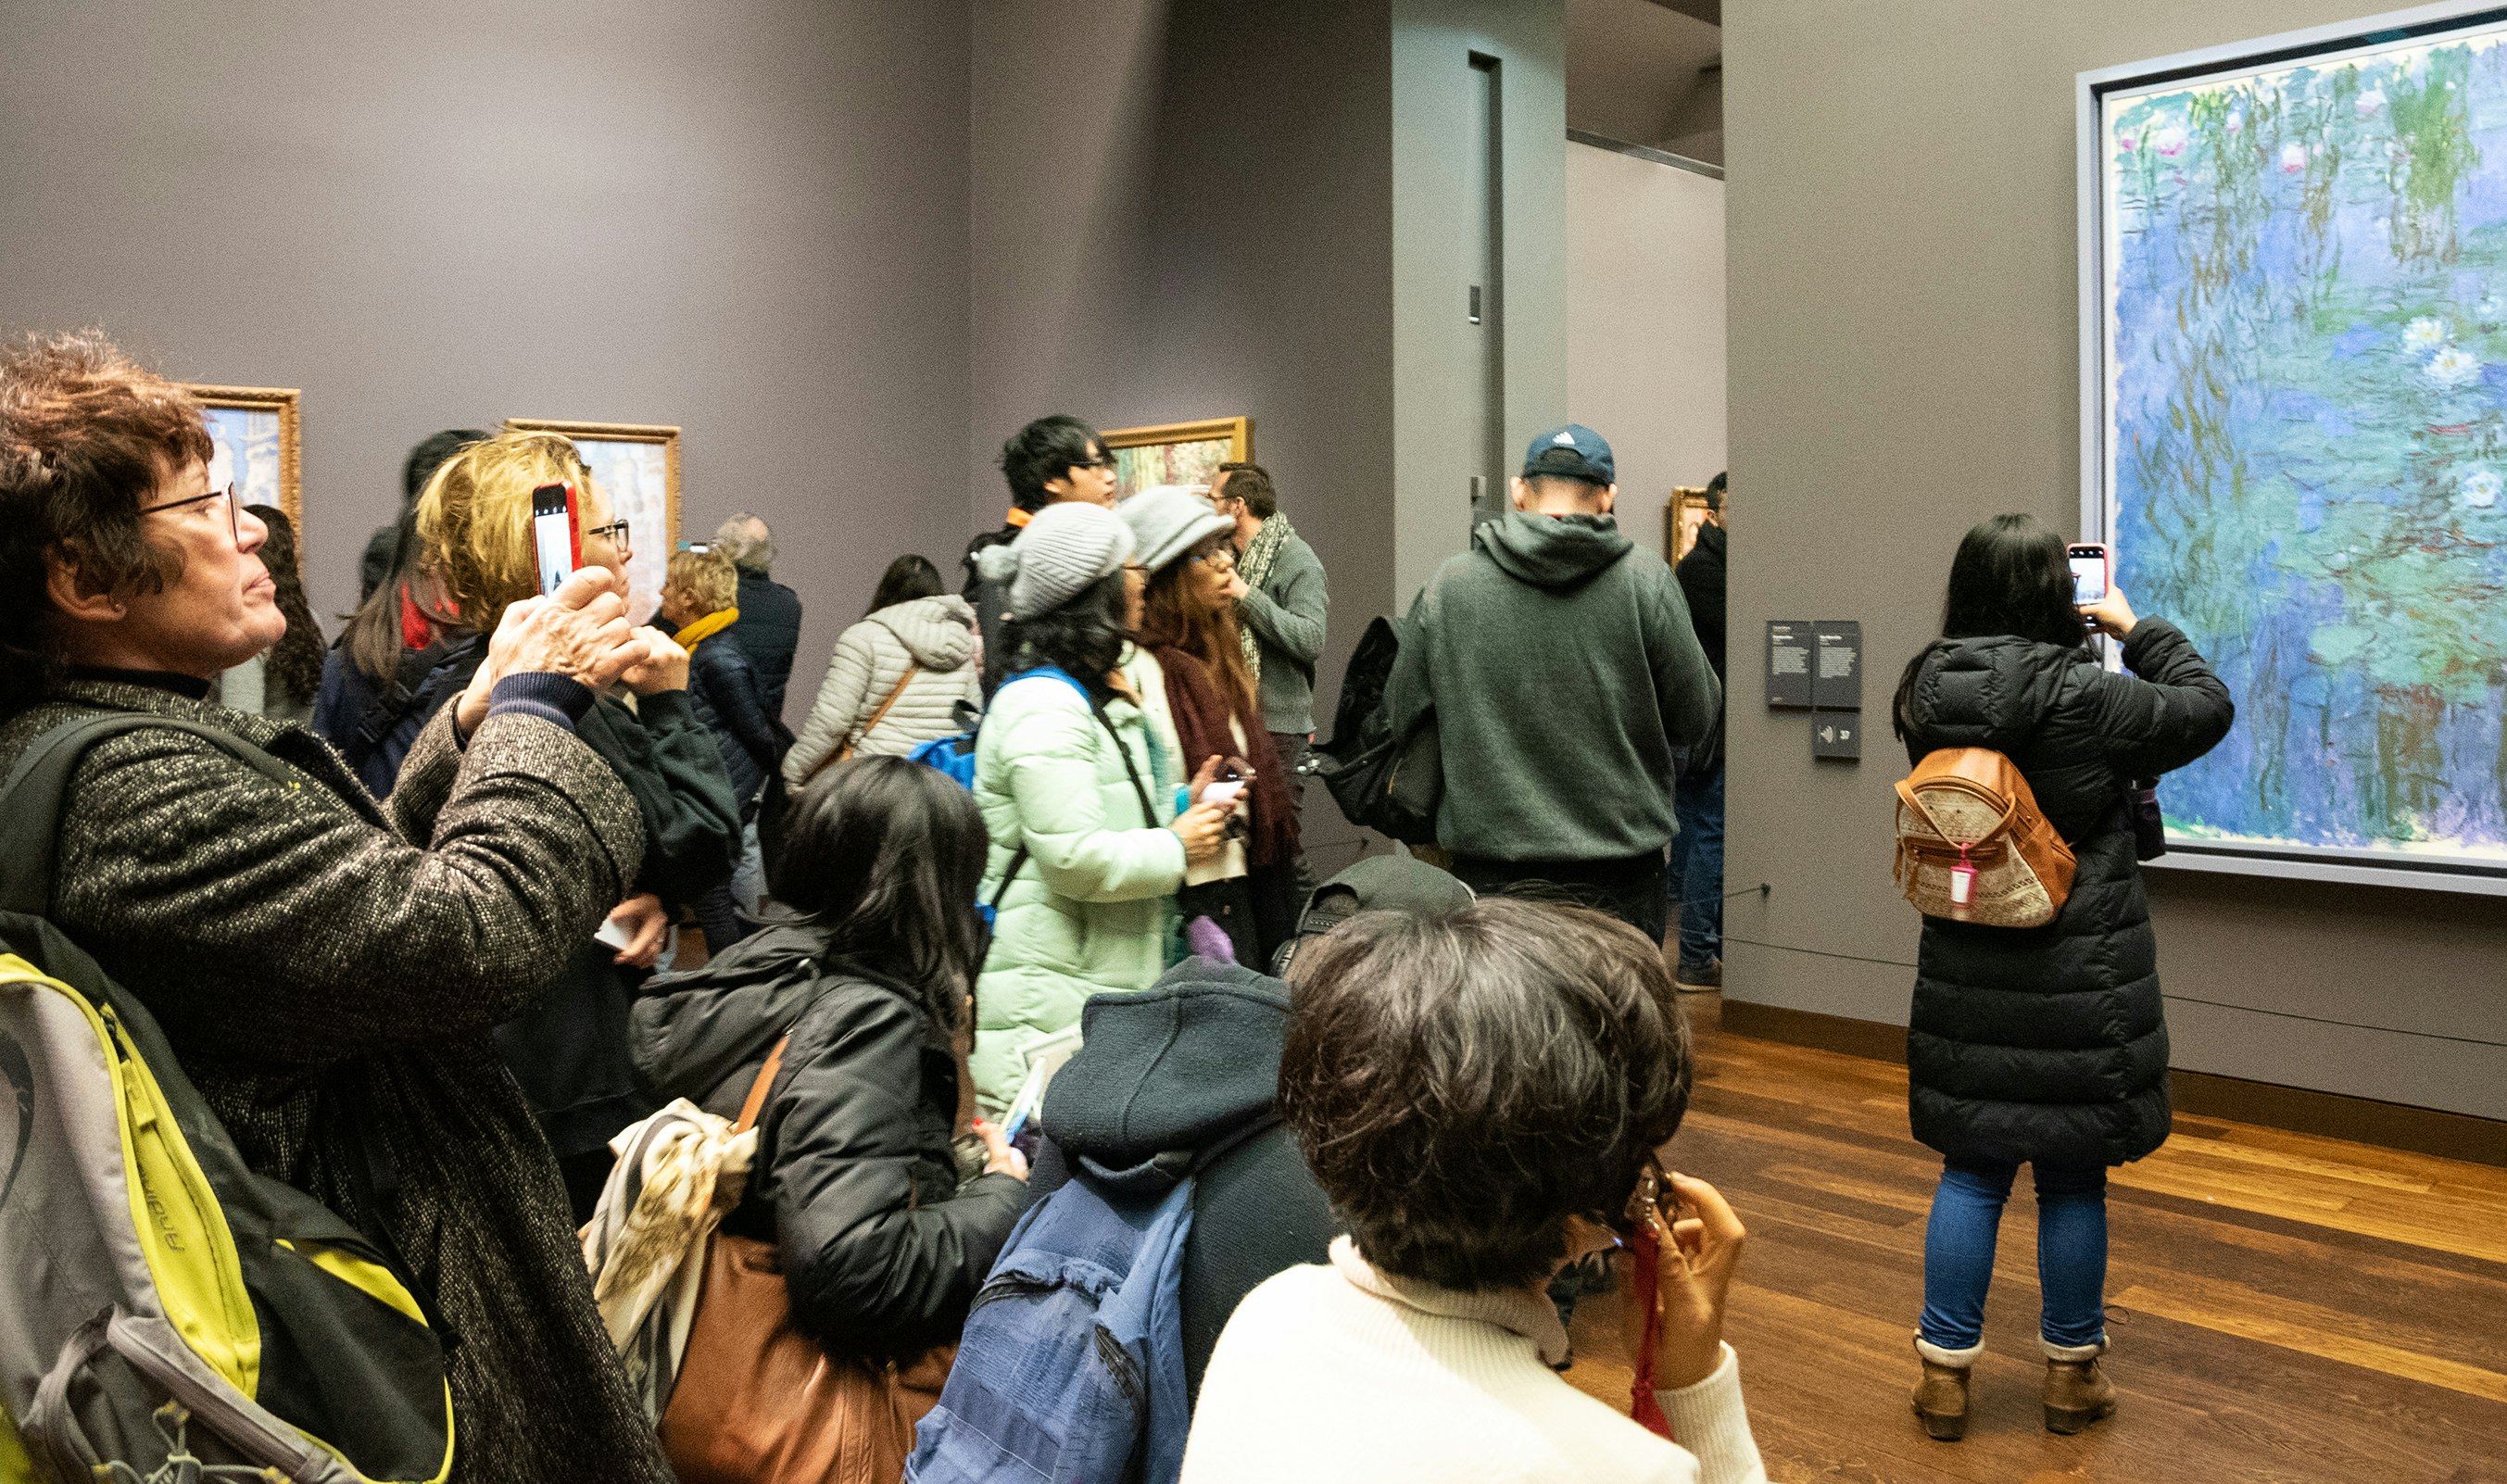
881	1243
2045	1046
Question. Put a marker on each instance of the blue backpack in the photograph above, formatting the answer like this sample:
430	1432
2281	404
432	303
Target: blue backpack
1071	1364
956	755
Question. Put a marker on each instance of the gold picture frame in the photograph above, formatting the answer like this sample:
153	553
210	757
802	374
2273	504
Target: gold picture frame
1176	453
637	465
258	432
1682	515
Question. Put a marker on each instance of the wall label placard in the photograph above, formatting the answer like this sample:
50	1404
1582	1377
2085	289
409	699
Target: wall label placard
1836	671
1789	656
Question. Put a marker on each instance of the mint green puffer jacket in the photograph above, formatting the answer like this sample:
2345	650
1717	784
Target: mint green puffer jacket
1094	906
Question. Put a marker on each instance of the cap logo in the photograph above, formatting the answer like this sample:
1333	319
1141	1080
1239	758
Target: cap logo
1568	438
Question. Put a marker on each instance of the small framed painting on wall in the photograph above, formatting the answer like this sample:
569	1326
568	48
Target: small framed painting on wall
1176	453
636	467
257	434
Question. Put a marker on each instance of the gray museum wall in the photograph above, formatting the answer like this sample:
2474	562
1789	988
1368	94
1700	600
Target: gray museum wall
749	219
1645	324
1904	363
1201	227
1437	369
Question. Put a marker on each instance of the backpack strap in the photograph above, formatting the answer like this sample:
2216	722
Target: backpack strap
1148	816
38	788
758	1089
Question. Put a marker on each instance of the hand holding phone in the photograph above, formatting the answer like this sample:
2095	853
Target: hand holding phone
1699	1241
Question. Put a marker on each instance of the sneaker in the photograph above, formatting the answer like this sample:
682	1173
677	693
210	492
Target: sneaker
1699	979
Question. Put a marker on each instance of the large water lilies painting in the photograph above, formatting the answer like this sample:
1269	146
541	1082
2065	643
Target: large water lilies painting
2304	272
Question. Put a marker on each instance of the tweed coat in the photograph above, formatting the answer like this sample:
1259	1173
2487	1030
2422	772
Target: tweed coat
328	969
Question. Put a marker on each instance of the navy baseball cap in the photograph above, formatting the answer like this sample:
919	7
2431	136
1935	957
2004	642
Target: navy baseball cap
1572	451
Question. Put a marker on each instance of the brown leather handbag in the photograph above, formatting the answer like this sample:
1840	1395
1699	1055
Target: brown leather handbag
759	1402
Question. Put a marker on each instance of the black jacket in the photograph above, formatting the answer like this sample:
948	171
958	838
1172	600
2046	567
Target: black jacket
2049	1043
769	633
568	1047
1702	582
1184	1069
989	602
857	1182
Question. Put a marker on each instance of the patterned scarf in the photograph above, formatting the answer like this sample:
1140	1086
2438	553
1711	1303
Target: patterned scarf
1255	566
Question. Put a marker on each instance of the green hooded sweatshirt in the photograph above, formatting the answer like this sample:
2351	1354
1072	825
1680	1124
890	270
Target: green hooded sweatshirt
1565	679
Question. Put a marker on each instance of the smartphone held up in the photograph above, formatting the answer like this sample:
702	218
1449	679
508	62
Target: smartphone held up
2092	572
557	533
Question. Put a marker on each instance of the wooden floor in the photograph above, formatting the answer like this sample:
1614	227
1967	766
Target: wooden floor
2280	1307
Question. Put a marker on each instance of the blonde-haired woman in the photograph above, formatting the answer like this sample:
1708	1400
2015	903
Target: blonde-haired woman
698	609
569	1048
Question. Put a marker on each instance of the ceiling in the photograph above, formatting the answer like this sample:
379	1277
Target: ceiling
1647	72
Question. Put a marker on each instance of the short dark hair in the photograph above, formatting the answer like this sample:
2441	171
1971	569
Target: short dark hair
1083	638
429	455
1250	483
906	579
1046	449
885	857
1463	1083
1715	495
87	434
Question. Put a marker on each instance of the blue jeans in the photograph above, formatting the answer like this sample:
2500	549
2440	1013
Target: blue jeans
2071	1251
1698	867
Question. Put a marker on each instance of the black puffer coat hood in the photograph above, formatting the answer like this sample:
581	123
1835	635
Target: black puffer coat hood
2050	1043
856	1184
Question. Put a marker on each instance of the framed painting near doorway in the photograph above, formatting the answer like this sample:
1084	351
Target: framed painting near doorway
637	465
1176	453
1682	515
257	438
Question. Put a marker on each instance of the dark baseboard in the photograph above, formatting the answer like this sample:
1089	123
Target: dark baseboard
2298	1109
1865	1038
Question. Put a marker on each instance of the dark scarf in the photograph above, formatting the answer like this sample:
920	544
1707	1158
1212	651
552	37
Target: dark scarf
1201	715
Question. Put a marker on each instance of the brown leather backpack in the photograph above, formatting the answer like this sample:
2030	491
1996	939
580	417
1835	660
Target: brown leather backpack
1973	845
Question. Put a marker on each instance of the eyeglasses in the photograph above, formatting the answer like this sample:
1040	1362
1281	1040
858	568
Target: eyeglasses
233	495
616	530
1107	463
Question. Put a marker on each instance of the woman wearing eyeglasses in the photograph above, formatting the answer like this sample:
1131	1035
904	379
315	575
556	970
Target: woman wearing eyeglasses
326	967
570	1048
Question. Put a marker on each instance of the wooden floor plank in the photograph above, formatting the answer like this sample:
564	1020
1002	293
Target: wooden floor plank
2285	1308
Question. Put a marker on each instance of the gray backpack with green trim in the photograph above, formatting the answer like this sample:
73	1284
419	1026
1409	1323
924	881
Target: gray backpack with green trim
162	1308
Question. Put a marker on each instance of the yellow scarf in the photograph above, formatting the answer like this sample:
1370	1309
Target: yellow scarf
706	627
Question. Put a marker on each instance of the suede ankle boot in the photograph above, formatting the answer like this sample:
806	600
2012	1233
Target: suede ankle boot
2077	1391
1941	1397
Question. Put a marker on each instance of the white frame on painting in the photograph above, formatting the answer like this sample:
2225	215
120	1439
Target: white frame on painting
280	479
653	518
2118	87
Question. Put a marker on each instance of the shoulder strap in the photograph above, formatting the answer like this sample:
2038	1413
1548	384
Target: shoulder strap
1148	819
912	669
37	788
758	1089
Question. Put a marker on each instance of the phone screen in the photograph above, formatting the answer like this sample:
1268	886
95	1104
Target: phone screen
2089	574
556	534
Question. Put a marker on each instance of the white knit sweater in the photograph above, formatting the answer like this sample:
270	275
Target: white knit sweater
1346	1375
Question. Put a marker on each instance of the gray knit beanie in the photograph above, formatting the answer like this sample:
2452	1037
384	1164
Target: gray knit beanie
1169	520
1066	549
